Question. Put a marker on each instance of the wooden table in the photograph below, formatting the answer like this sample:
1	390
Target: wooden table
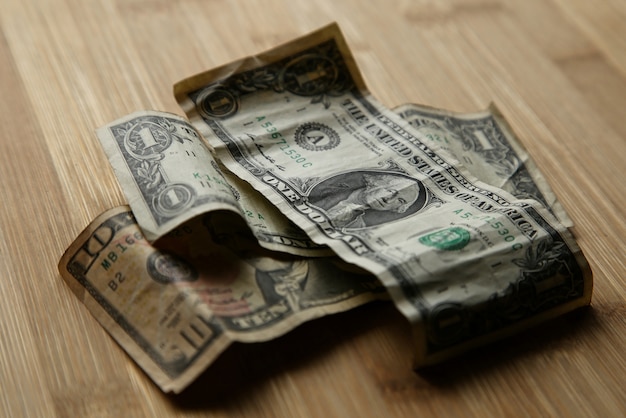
557	70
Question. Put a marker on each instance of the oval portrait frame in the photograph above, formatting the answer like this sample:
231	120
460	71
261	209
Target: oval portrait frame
335	189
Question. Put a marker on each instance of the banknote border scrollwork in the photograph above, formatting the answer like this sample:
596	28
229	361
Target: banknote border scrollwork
328	77
149	176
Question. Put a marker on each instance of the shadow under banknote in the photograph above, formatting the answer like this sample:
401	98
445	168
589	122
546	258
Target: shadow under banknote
520	350
380	340
240	373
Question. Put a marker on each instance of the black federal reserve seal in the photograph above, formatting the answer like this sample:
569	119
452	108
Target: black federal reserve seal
316	137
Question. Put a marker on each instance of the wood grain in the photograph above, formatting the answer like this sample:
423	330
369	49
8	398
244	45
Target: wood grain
556	69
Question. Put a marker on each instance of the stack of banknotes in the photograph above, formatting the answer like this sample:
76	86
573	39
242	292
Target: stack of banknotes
290	193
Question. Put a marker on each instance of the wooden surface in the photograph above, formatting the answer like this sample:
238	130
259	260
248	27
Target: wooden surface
557	70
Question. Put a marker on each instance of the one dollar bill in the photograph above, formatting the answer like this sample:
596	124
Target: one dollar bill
464	261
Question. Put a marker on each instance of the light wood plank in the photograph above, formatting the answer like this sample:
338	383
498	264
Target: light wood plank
555	68
603	23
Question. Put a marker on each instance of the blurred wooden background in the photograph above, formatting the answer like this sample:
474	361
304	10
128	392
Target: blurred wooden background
557	70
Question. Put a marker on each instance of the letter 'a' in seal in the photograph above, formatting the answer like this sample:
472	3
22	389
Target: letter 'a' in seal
315	136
